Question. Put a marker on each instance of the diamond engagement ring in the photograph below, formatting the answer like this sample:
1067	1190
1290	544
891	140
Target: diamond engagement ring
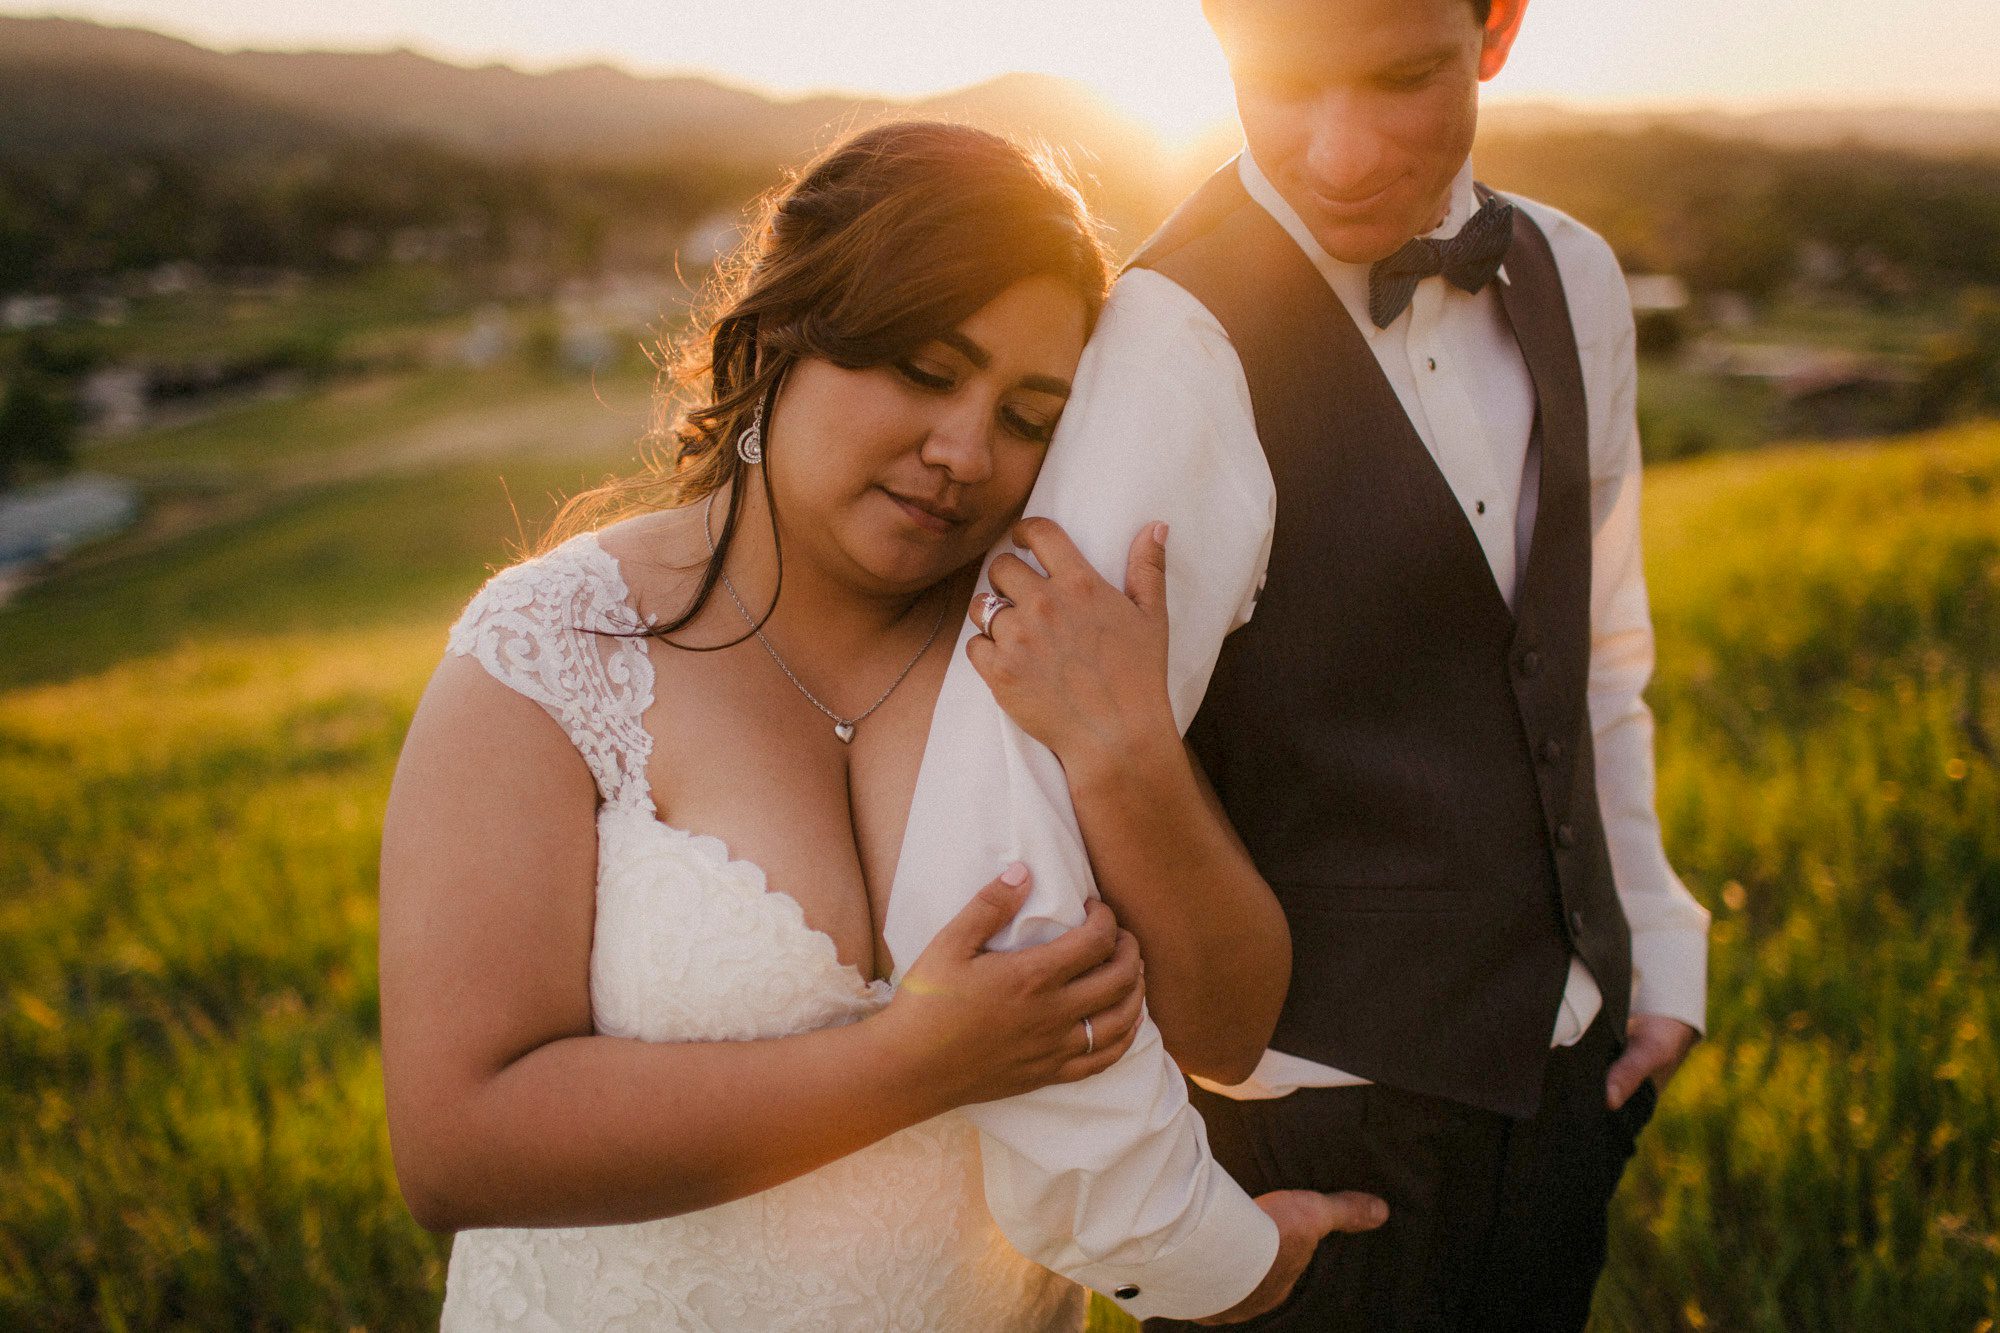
990	604
1089	1037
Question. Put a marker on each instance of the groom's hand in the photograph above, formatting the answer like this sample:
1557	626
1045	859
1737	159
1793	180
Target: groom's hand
1655	1045
1304	1218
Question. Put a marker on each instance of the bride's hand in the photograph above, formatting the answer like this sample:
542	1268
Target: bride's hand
981	1024
1078	664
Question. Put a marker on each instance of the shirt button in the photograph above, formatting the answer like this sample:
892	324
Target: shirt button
1565	836
1431	361
1126	1292
1481	506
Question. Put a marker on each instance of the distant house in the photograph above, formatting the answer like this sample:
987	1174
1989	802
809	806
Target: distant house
115	399
18	313
1816	392
1772	363
1730	310
489	339
173	278
1656	293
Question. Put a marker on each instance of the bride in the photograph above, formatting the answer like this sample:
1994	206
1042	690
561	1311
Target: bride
640	1043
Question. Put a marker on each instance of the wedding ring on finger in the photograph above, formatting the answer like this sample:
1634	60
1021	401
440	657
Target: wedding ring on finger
989	605
1089	1037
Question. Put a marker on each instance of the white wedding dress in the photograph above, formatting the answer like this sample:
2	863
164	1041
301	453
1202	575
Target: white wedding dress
691	945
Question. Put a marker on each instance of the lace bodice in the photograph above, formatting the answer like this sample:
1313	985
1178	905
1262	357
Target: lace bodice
692	945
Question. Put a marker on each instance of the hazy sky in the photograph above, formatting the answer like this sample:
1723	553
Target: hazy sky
1152	57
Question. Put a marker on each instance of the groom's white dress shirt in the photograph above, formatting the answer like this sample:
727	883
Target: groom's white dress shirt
1109	1181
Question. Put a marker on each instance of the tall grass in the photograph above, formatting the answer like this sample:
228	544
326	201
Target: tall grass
194	1108
194	755
1829	702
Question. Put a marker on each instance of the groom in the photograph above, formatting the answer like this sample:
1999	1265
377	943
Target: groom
1431	735
1402	407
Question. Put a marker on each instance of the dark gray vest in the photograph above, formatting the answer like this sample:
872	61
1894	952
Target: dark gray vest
1408	761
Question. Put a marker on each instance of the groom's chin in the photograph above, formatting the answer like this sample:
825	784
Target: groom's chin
1360	243
1363	233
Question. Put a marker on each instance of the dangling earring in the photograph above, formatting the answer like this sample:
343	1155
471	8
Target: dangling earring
750	444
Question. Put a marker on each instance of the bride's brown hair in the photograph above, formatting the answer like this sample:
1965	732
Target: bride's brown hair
890	238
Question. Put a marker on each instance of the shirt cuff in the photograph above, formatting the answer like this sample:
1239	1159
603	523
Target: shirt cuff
1219	1262
1670	973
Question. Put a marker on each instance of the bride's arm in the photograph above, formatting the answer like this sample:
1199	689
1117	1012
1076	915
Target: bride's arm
1082	667
505	1109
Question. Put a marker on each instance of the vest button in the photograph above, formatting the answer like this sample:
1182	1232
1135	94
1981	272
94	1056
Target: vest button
1576	923
1126	1292
1552	751
1530	663
1565	835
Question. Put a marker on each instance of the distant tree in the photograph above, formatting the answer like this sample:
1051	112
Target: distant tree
40	415
39	420
1961	375
1731	214
1661	333
541	344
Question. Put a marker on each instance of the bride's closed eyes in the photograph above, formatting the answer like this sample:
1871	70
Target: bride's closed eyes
931	372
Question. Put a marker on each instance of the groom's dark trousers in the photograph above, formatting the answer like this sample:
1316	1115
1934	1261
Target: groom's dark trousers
1494	1223
1408	757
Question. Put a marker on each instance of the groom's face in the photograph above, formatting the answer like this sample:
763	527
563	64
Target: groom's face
1361	112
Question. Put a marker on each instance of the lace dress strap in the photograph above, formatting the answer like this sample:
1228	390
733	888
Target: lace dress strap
534	627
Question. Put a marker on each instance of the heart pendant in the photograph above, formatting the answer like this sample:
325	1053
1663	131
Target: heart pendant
844	730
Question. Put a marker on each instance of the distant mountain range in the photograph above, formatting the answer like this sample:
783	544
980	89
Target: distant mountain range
589	112
68	80
122	150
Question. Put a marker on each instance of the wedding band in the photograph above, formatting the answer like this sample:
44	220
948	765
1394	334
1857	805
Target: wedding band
990	604
1089	1037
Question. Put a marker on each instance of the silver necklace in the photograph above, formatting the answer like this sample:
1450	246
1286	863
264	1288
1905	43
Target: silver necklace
843	727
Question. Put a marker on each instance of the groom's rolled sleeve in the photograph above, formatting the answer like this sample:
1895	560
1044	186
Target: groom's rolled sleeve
1669	928
1108	1181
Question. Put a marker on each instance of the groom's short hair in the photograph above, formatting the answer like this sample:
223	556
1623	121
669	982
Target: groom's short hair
1482	8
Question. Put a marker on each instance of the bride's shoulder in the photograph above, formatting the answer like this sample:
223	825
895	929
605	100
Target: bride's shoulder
558	627
615	580
558	630
659	556
539	595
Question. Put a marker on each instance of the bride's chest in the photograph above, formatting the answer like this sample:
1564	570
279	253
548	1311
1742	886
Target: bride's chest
745	758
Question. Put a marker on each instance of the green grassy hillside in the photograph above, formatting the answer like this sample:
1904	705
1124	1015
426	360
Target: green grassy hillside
1828	701
195	745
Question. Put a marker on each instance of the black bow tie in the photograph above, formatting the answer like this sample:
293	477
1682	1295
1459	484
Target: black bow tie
1468	261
